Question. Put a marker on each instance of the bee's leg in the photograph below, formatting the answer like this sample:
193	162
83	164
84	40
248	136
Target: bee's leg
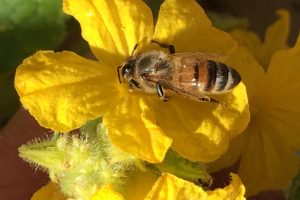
209	99
199	99
160	92
134	49
165	45
133	84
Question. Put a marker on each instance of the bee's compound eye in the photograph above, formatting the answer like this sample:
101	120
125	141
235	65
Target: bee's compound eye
127	69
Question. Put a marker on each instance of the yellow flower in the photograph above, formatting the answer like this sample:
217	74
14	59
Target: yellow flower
165	187
171	187
275	39
168	186
267	147
63	90
48	192
107	192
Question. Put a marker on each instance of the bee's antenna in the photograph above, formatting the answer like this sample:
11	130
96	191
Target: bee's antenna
118	70
134	48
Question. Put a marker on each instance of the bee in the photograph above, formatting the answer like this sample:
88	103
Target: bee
193	75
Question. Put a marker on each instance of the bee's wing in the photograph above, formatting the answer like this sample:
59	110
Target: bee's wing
201	56
182	74
195	74
187	72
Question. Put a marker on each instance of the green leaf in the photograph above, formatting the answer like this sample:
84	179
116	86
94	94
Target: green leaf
185	169
28	26
89	129
293	191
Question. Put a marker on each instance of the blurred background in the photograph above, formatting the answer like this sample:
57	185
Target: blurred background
32	25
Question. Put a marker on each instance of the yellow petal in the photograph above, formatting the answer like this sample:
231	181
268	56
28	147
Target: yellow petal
274	132
253	77
250	40
268	159
106	192
184	24
48	192
135	191
236	147
170	187
197	128
267	162
281	96
235	190
251	72
63	90
275	39
132	127
112	27
202	131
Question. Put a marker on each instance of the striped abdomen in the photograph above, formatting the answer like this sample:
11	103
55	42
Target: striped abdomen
215	77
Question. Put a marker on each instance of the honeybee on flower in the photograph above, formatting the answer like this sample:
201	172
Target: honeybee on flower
194	75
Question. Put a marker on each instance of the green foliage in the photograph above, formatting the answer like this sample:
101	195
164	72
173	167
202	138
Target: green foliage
293	192
185	169
27	26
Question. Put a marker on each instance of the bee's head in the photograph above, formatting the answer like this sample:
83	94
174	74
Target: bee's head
127	70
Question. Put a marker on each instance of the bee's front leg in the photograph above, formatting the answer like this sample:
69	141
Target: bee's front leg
165	45
160	93
133	84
